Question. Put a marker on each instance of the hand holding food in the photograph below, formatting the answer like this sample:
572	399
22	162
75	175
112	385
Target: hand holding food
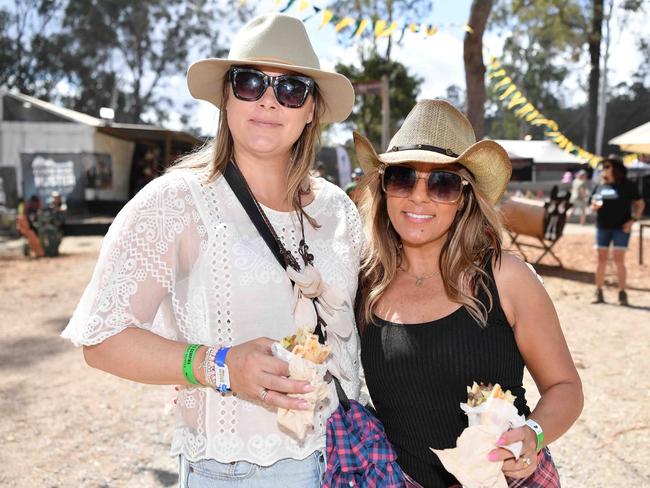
306	358
490	413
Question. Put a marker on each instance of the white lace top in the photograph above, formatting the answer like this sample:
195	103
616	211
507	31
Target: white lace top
183	260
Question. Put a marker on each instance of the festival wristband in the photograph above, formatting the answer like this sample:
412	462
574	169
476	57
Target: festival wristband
223	376
188	363
538	432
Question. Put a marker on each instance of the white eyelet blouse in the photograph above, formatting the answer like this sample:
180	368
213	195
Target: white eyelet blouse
183	260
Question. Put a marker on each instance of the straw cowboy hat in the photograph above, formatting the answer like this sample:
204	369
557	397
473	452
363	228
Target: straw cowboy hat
273	40
436	132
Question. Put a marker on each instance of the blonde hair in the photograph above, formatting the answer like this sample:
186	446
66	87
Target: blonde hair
214	155
474	236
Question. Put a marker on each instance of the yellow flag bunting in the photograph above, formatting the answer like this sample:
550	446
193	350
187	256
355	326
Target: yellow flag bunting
356	27
524	109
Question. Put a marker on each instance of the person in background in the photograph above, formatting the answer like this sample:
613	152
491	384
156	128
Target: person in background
50	223
442	305
186	291
26	225
580	195
617	204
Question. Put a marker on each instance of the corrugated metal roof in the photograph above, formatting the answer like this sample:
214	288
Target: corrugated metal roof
65	113
538	151
126	131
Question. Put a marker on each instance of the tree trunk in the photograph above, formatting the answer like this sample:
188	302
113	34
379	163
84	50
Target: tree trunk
594	74
474	67
602	96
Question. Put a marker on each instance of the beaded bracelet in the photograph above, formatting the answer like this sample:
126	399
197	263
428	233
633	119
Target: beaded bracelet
208	366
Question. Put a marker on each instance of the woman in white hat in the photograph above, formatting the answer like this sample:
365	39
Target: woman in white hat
186	291
443	306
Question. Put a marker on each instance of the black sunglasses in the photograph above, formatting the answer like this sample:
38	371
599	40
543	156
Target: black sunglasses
249	84
442	186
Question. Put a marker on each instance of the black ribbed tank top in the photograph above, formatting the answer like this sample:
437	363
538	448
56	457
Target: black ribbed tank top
418	375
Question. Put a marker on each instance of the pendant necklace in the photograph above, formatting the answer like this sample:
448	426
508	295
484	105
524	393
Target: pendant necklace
418	279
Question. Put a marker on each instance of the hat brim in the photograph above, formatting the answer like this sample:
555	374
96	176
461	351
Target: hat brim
205	81
486	160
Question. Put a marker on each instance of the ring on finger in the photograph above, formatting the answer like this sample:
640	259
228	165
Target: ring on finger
263	394
526	461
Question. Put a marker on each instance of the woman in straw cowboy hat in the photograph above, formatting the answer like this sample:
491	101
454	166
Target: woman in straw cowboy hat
187	292
441	305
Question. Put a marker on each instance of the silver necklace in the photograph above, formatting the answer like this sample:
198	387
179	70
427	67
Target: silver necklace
418	279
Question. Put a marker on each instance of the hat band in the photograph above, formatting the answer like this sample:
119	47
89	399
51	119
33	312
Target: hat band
425	147
263	59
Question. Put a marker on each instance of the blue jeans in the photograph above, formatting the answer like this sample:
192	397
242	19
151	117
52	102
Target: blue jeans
286	473
619	238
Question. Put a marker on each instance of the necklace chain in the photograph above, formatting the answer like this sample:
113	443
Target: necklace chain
418	279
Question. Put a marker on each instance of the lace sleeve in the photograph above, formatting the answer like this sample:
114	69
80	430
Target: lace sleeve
151	244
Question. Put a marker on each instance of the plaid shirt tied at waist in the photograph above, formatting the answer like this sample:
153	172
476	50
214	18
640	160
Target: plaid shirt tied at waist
358	452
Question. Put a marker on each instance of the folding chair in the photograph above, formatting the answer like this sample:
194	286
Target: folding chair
543	221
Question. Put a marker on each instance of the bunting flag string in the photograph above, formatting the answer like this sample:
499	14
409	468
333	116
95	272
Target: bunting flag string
357	27
523	109
508	92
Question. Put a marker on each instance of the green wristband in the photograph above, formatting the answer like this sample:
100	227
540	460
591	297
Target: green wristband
539	433
188	363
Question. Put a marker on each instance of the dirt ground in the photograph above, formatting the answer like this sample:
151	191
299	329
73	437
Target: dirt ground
63	424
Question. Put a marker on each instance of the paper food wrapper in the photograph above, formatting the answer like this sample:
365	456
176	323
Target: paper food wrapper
468	461
299	422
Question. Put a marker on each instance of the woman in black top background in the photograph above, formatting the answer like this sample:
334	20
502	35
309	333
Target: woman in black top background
442	306
618	204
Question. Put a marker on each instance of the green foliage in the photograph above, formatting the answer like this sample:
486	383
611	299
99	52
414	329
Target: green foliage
543	41
26	47
130	48
627	109
115	53
366	116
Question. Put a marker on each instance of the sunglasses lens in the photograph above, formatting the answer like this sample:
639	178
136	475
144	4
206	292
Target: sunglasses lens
291	91
399	180
248	85
444	187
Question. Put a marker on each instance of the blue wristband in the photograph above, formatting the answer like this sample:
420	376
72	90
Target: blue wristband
220	358
223	378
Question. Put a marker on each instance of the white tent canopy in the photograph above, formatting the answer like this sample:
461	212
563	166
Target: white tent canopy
635	140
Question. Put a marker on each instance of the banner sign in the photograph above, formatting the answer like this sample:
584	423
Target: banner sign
67	173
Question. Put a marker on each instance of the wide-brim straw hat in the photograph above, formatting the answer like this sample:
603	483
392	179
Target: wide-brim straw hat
436	132
273	40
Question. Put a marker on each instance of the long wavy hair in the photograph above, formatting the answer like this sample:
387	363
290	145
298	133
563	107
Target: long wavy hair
474	236
214	155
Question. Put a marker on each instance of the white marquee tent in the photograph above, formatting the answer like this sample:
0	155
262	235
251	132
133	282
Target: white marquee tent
635	140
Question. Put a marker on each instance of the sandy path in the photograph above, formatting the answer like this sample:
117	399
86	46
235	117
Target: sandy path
65	425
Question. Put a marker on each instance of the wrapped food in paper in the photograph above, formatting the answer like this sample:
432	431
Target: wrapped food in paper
314	298
490	412
306	358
